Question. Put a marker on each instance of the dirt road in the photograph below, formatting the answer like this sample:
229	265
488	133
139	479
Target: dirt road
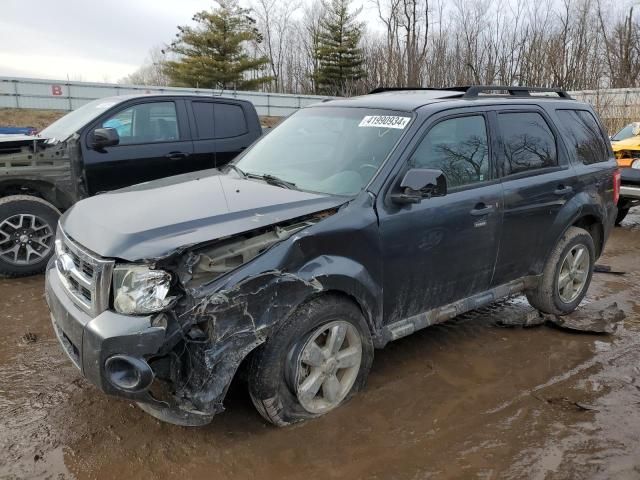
466	399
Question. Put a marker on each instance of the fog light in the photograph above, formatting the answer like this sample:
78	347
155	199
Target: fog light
128	373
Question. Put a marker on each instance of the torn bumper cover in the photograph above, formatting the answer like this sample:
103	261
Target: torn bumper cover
127	356
113	351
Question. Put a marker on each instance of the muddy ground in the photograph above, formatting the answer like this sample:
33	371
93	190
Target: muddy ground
467	399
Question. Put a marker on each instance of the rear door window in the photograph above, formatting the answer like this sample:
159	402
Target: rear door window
457	146
203	112
583	136
229	120
527	141
218	120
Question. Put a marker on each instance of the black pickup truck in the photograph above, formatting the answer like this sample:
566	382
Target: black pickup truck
108	144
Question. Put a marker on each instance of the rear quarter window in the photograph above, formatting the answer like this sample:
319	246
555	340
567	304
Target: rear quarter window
583	136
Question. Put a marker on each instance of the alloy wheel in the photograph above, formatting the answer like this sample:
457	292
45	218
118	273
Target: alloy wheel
573	273
25	239
328	366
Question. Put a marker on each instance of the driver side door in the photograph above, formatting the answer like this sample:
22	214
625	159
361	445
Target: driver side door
154	143
444	248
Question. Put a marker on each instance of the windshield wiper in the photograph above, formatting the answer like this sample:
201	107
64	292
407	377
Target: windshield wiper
233	167
272	180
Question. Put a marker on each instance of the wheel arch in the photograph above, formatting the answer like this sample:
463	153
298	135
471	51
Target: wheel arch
580	212
37	187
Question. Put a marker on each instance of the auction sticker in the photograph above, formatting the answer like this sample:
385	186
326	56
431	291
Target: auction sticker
385	121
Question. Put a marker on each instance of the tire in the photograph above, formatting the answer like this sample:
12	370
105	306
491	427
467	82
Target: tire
622	212
25	219
277	371
547	296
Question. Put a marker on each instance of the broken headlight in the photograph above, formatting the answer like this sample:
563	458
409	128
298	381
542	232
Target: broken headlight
139	290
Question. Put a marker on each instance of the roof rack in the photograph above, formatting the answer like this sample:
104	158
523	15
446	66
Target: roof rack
399	89
474	91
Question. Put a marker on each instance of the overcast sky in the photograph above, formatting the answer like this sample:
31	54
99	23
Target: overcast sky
86	39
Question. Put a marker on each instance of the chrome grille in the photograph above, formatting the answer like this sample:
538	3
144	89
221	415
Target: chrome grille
85	276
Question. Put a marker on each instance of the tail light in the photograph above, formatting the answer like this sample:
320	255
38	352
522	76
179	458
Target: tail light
616	186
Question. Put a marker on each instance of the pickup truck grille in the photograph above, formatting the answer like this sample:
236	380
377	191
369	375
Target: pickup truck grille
85	276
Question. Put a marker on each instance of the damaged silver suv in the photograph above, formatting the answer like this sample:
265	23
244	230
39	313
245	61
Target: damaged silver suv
353	223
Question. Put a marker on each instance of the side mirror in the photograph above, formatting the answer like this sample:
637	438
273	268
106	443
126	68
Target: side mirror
105	137
421	183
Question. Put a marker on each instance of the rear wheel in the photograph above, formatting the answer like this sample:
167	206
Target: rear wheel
315	362
566	275
27	234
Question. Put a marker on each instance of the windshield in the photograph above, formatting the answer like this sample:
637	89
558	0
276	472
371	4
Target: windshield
627	132
72	122
328	150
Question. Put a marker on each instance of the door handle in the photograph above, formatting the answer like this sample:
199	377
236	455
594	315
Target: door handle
563	190
481	209
176	155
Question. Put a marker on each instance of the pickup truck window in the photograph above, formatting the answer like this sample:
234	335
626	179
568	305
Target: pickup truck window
528	143
583	136
334	150
229	120
145	123
457	146
219	120
203	112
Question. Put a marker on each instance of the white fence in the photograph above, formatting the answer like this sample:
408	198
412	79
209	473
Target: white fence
616	106
65	95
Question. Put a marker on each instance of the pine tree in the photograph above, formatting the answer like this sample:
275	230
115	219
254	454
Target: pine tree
212	54
339	57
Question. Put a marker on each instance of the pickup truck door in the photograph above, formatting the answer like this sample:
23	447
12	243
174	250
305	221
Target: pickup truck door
154	143
221	131
538	180
444	248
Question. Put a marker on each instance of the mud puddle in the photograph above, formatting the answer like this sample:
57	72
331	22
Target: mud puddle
466	399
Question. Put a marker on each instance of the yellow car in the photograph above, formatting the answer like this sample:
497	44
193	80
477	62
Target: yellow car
626	145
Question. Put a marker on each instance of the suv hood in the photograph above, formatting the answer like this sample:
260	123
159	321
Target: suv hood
152	219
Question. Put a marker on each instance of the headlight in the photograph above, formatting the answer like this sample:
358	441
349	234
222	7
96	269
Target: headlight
636	164
140	290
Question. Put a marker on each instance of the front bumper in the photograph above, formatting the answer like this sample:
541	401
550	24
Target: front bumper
89	342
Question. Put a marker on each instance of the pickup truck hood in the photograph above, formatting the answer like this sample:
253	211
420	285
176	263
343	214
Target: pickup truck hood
8	143
153	219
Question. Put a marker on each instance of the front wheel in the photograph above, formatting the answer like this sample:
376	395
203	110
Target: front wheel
566	275
315	362
27	234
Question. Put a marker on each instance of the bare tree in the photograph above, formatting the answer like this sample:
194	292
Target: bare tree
151	72
274	21
622	48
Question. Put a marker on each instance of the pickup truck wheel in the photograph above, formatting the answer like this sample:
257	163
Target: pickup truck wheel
27	234
315	362
566	275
